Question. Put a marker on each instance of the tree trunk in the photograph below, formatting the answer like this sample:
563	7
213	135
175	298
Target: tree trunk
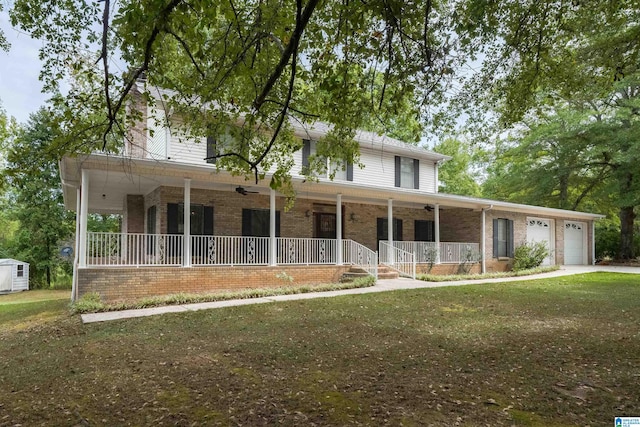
627	217
48	277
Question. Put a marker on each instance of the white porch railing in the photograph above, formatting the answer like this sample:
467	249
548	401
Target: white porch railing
458	253
450	252
133	249
356	254
404	262
137	249
306	251
229	250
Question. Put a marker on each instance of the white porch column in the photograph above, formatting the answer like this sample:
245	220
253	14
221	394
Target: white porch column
186	251
339	228
436	221
593	242
84	213
483	240
390	229
272	227
74	283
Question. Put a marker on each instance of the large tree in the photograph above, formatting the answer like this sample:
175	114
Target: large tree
581	54
252	66
35	198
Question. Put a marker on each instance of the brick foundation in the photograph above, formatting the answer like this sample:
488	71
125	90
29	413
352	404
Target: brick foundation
447	269
117	284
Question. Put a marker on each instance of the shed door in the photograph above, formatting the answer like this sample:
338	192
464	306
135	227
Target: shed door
539	230
5	278
574	243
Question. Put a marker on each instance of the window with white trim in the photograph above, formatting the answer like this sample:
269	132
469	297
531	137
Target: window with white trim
407	172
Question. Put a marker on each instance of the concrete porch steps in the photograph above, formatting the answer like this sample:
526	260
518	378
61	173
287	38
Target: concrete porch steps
384	272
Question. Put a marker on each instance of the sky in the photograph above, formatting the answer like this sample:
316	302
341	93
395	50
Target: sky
20	90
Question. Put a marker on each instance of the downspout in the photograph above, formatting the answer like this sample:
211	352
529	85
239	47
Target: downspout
483	239
593	242
74	279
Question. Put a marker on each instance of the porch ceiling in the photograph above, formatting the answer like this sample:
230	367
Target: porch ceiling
111	178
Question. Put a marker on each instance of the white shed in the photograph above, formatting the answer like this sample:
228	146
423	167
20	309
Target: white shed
14	275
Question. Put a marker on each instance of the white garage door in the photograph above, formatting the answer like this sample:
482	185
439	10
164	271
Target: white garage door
5	278
539	230
574	243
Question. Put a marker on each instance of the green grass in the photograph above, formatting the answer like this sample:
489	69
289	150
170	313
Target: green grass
549	352
497	275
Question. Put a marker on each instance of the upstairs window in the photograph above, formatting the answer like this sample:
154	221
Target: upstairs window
407	172
216	145
341	174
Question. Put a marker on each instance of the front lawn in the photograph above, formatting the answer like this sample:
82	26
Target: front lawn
557	352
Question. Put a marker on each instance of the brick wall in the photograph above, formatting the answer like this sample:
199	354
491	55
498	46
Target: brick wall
115	284
360	220
134	214
136	141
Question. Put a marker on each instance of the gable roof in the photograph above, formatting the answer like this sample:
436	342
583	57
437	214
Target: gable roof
368	139
319	129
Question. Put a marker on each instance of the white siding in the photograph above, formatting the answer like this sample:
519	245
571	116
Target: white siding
156	134
427	176
378	170
187	150
21	283
14	283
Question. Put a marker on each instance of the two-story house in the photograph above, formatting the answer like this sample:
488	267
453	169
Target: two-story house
189	227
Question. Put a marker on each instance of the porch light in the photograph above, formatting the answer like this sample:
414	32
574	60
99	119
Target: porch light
307	213
353	217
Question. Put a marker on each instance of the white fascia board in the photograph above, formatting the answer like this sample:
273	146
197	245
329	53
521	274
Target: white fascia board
323	186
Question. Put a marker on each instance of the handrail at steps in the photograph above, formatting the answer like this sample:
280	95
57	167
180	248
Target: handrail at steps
402	261
359	255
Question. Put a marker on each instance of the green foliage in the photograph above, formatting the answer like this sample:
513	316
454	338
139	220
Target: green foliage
459	174
34	200
497	275
88	303
254	67
93	304
530	255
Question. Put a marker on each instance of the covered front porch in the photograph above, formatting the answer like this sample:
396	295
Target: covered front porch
231	223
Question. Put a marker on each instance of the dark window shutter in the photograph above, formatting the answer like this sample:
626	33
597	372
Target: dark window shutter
246	222
495	238
424	231
382	235
277	223
306	152
416	174
208	221
211	149
510	238
397	171
349	171
172	218
397	229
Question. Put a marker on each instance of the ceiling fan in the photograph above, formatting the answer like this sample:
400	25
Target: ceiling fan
243	191
429	208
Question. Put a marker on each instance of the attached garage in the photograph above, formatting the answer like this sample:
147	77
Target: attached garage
541	230
575	243
14	275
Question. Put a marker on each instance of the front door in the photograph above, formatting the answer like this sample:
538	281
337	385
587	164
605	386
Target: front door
324	225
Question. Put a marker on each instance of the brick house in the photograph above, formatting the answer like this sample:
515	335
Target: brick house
238	234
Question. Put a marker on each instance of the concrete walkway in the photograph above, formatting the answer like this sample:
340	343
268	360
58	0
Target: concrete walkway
380	286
